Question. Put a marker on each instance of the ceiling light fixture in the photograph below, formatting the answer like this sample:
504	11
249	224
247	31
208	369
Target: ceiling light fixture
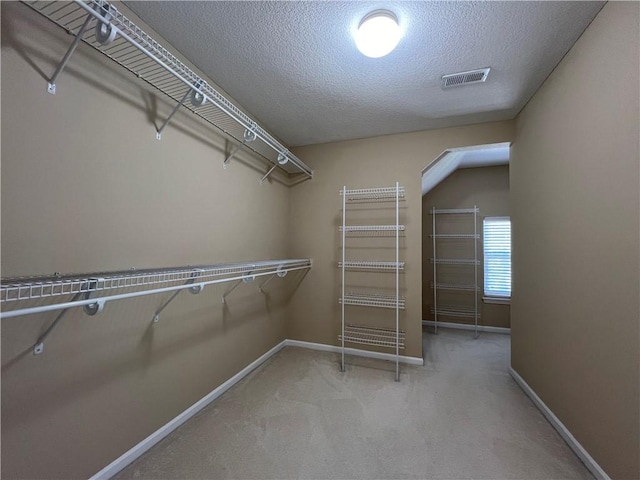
378	34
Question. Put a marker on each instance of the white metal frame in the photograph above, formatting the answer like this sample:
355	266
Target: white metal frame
360	334
128	45
452	310
92	291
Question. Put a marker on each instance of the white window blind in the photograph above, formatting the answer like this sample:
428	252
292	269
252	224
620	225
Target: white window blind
497	256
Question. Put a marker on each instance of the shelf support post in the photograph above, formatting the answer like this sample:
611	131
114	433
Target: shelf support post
231	289
194	290
265	282
173	112
397	282
38	348
249	136
268	173
51	86
344	261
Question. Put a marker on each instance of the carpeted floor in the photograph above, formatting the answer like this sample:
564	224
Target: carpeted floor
297	416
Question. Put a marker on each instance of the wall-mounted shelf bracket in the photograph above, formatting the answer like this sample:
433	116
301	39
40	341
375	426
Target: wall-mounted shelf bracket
173	112
90	309
38	348
98	305
193	290
280	273
231	289
264	283
51	85
249	136
268	173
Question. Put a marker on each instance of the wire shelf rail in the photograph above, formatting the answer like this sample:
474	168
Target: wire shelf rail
380	337
456	286
373	300
371	228
374	194
453	211
357	265
99	24
116	285
455	261
455	311
455	235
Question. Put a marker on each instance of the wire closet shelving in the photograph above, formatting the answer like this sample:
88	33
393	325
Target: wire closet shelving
100	25
39	294
456	311
391	337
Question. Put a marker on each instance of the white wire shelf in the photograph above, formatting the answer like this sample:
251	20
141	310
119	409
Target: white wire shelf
440	211
355	265
114	285
371	228
373	300
455	261
454	311
456	235
456	286
378	194
139	53
381	337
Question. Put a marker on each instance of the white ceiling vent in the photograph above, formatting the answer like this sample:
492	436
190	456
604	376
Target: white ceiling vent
465	78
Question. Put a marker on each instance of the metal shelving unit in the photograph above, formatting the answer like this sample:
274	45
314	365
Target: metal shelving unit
30	295
459	311
100	25
362	334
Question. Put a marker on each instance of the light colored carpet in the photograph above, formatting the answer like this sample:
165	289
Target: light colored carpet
297	416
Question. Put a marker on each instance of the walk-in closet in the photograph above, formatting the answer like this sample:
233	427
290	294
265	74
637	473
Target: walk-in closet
267	240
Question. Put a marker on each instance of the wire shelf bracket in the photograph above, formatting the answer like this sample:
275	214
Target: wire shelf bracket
194	290
124	42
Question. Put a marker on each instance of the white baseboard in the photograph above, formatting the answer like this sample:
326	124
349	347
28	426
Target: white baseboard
354	351
141	448
578	449
464	326
138	450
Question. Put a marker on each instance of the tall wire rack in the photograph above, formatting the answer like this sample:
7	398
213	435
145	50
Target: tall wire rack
100	25
387	337
458	311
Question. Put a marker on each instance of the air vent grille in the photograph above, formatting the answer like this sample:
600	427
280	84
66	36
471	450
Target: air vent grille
465	78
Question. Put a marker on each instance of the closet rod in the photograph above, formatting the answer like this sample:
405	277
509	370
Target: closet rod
112	26
156	280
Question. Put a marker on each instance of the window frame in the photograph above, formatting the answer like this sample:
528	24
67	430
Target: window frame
494	297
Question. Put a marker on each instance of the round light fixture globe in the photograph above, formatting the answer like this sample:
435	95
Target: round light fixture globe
378	34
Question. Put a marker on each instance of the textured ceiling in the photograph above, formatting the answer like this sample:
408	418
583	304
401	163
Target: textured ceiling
294	65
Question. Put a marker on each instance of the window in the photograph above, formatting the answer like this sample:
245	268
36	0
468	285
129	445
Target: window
497	257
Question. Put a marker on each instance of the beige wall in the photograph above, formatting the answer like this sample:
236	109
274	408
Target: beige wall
316	215
488	188
575	223
87	187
